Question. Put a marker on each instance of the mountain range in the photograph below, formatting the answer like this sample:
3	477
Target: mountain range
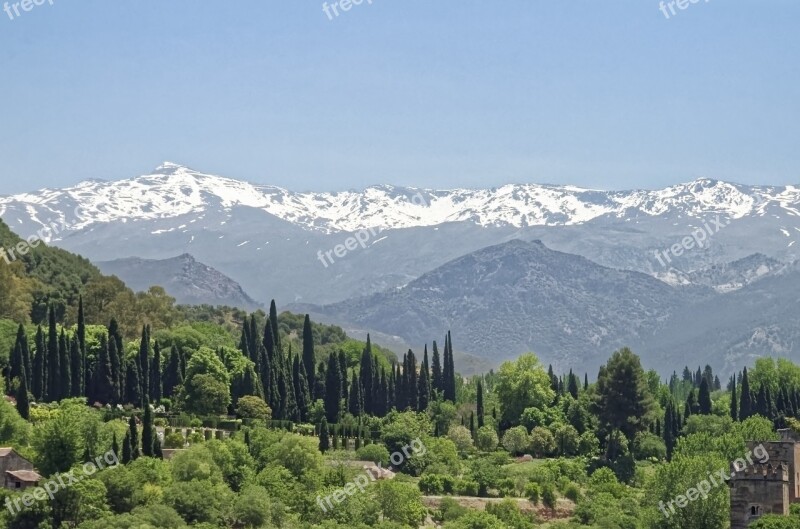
565	271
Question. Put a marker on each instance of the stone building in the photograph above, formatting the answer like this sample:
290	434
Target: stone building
17	472
768	488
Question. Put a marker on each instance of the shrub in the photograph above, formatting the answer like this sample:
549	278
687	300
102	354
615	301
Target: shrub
174	440
431	484
533	492
466	487
486	439
572	492
548	496
376	453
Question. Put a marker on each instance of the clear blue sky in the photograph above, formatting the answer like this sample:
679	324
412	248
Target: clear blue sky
437	93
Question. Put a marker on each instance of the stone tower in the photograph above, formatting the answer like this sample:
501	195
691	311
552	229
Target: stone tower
759	490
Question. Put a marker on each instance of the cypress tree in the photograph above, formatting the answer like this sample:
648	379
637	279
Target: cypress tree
472	423
172	376
704	398
301	384
133	433
156	388
157	452
343	371
118	367
53	368
324	436
273	318
572	384
437	379
669	428
65	377
449	370
480	404
81	325
333	387
734	410
114	444
356	402
76	367
102	385
367	378
127	449
17	359
133	387
309	357
23	404
746	399
585	381
424	393
144	363
319	386
410	381
38	377
147	430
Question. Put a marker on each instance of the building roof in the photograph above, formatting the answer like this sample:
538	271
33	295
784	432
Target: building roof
28	476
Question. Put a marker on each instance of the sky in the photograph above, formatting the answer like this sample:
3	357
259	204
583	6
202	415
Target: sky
428	93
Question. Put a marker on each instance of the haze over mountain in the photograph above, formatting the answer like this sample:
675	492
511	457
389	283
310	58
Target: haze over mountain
185	279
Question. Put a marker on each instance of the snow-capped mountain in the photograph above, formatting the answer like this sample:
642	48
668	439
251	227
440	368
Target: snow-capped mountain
270	239
174	190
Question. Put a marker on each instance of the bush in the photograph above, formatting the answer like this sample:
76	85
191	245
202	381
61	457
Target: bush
486	439
431	484
466	487
548	496
449	510
572	492
376	453
174	440
533	492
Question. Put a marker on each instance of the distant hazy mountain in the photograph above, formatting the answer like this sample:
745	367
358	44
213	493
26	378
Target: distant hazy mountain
515	297
185	279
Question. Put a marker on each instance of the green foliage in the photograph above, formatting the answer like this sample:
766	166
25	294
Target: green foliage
522	384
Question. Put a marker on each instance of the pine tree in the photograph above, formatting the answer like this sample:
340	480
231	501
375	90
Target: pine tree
746	399
23	404
133	433
333	387
309	358
324	436
480	404
148	436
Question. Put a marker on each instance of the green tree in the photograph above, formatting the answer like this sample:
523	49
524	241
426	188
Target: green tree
522	384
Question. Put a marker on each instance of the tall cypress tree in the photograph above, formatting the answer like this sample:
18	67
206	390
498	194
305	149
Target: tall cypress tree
572	384
23	404
65	377
480	404
746	398
53	355
356	401
436	374
133	433
127	449
424	393
133	386
449	370
704	397
81	325
333	390
367	378
324	436
273	319
38	378
172	376
144	363
734	410
147	430
301	385
76	367
669	428
309	357
16	362
102	385
156	388
320	391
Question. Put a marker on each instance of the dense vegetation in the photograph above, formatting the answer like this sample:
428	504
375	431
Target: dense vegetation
272	413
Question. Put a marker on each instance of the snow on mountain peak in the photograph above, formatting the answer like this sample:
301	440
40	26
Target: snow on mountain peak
174	189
